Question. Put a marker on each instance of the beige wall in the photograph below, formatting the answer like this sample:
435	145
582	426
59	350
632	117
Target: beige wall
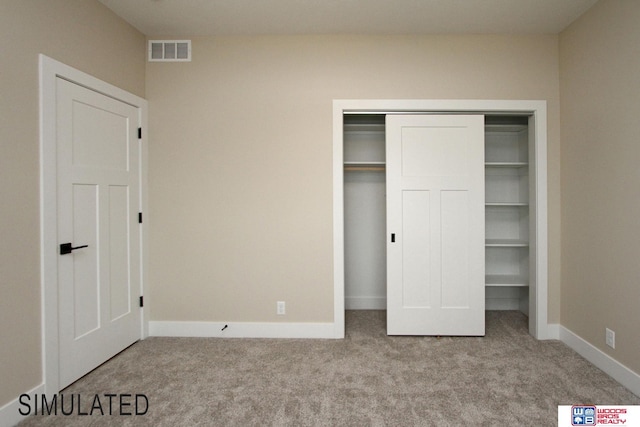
85	35
241	158
600	81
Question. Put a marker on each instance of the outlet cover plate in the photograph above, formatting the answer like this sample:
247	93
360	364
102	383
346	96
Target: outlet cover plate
610	338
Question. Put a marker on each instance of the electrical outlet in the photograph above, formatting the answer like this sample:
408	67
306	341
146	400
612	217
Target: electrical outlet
280	307
610	338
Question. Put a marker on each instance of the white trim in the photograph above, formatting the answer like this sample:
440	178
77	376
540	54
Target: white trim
538	300
553	331
9	413
603	361
51	69
144	227
338	221
241	330
538	294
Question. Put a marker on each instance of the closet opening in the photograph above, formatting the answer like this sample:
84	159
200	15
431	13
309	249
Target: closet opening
515	274
365	257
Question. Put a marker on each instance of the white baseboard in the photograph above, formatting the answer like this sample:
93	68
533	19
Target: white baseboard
365	303
9	413
600	359
553	332
241	330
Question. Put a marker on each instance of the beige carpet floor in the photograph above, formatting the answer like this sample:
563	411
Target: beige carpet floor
368	379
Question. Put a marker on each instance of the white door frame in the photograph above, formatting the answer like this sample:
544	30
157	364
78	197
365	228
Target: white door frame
50	70
538	300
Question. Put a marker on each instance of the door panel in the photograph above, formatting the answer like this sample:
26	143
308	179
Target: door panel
119	268
435	208
455	249
416	245
434	152
86	297
98	200
100	137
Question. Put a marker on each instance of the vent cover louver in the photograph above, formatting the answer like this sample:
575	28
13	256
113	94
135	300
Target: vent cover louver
169	50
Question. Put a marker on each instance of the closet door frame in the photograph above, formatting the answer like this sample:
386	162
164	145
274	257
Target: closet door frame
537	112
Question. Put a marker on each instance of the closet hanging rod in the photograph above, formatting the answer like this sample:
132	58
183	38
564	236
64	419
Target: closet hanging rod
364	168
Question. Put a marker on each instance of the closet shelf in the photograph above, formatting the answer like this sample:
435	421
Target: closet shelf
506	243
505	280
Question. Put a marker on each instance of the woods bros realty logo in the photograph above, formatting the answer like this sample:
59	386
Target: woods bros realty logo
592	415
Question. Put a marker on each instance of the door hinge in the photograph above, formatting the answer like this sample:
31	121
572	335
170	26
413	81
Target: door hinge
139	133
141	301
139	217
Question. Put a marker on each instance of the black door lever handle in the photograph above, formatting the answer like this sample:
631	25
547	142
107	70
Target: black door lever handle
65	248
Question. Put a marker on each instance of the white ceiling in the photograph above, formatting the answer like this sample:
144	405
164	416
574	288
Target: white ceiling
186	18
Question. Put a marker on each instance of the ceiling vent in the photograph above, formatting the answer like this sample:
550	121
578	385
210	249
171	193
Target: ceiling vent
169	50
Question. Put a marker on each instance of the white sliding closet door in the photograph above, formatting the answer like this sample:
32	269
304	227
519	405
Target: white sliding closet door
435	224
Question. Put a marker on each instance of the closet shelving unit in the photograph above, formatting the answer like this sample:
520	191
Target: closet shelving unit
507	219
507	209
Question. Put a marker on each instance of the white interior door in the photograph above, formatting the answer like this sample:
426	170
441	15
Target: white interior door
98	203
435	223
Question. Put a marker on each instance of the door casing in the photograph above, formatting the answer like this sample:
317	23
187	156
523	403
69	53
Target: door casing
537	111
50	70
